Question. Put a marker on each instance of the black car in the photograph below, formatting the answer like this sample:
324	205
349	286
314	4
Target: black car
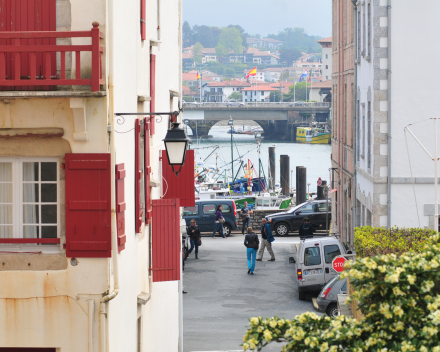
291	220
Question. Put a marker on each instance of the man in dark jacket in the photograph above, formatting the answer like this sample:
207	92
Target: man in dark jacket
266	242
245	217
307	228
193	232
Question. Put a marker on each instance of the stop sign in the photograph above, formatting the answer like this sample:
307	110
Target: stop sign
319	181
338	264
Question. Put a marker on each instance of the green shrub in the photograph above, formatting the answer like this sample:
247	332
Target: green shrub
397	295
371	241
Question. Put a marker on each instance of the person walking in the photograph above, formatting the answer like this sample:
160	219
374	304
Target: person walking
266	242
245	217
251	242
193	232
307	228
219	220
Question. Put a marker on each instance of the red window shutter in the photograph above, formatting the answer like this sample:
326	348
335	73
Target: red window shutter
182	186
120	205
147	173
166	254
143	19
88	205
138	176
152	91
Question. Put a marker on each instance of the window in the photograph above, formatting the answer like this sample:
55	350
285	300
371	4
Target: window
364	42
190	211
358	130
245	93
344	287
322	207
369	135
208	209
331	252
326	67
226	209
29	198
312	256
359	35
262	92
369	29
308	208
363	131
326	56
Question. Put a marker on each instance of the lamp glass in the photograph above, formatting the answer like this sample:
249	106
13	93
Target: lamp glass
176	152
230	122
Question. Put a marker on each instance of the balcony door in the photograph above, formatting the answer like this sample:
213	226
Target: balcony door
28	15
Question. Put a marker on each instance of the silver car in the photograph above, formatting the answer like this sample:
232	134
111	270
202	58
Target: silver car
327	300
232	102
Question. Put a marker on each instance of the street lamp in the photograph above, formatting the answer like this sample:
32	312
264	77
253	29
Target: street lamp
231	123
176	143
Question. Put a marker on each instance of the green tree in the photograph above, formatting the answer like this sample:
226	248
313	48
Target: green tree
300	92
231	39
205	36
188	34
222	52
235	96
289	55
275	96
197	52
297	38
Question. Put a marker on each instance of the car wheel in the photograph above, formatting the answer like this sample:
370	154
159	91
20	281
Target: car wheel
282	229
241	105
302	296
227	229
332	310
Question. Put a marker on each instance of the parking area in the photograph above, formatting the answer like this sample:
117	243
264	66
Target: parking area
221	296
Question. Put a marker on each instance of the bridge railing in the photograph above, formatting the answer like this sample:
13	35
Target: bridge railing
267	105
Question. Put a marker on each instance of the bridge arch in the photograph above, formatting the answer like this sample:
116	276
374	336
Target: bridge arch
201	128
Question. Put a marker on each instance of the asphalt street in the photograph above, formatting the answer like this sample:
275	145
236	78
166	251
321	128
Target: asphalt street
222	296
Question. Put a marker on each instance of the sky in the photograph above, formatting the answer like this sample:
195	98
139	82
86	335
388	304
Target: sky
262	16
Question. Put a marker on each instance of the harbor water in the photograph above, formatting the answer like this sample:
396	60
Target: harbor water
315	157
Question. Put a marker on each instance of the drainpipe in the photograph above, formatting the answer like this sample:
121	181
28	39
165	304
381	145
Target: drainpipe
114	293
389	118
355	120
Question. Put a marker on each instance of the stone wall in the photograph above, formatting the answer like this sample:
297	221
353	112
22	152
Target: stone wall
256	217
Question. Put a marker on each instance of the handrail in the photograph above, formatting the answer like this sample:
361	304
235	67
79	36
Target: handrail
15	51
297	104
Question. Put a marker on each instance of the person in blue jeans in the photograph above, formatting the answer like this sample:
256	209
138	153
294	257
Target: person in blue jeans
193	232
218	224
245	211
251	241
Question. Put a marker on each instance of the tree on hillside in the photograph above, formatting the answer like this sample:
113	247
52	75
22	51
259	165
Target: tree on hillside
297	38
289	55
235	96
243	34
197	52
205	36
188	34
221	52
231	39
300	92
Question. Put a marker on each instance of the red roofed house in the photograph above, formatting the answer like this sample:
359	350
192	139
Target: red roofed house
220	91
259	93
318	91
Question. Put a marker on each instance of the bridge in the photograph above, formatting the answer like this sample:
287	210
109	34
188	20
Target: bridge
276	119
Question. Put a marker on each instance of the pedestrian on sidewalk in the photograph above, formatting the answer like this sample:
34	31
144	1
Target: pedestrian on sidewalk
251	241
219	221
307	228
266	242
245	217
193	232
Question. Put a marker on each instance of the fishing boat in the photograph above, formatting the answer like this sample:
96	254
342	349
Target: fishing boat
312	135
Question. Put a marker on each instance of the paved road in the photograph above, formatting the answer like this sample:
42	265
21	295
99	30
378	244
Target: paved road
221	296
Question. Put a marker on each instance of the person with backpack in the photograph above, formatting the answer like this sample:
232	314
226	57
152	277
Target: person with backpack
251	242
219	221
307	228
193	232
266	242
245	217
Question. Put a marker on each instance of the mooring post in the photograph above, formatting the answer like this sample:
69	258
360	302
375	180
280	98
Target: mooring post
285	174
301	184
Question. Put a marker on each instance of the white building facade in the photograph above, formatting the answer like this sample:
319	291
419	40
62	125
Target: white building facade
326	58
80	186
394	175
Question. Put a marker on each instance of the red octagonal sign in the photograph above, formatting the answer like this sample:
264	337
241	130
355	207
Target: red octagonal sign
338	264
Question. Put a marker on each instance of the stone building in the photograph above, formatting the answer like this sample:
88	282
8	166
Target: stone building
326	58
394	175
342	119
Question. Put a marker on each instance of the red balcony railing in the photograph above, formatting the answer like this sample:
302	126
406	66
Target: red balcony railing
30	59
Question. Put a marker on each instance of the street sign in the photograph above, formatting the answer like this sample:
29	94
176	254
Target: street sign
319	181
338	264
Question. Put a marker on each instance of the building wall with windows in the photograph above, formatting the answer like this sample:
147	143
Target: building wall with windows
395	177
53	294
326	58
342	119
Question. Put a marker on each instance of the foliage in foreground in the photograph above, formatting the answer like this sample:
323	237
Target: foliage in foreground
371	241
397	296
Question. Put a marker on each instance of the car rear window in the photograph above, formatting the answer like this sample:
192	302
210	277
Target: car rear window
189	211
209	209
331	252
312	256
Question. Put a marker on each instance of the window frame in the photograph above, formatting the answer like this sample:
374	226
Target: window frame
325	254
17	203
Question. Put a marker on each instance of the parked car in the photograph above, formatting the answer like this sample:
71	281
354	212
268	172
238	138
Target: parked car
232	102
204	214
291	220
327	301
298	103
313	259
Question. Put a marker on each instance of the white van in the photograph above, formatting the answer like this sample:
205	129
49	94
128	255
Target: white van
313	259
